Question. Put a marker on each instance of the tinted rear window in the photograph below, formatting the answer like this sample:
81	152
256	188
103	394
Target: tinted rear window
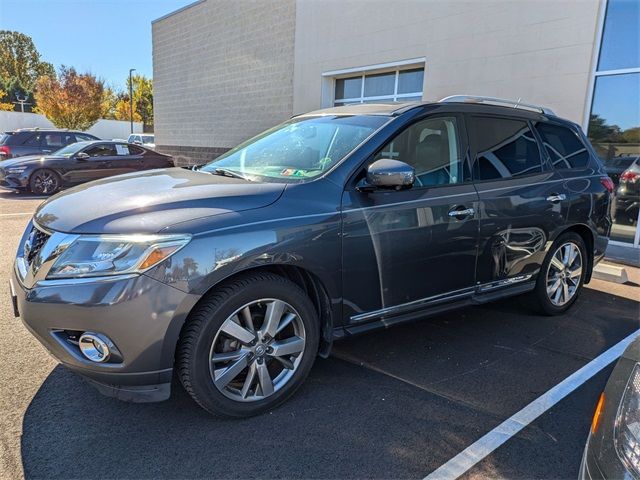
505	148
563	146
4	137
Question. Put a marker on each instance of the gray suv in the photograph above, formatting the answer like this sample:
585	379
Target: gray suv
236	275
36	141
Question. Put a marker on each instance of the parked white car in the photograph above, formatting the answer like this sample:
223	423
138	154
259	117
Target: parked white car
146	140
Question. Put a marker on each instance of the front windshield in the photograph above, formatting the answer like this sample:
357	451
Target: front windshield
70	149
299	149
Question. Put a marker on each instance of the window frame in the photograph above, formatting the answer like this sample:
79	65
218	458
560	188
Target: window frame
595	73
363	72
544	164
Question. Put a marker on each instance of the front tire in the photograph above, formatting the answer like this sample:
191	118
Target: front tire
248	346
561	276
44	182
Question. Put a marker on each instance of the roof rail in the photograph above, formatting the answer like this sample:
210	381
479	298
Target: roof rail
497	101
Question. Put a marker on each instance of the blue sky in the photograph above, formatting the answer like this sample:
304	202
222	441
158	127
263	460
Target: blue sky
104	37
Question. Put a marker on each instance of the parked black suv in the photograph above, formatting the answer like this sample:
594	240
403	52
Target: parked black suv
36	141
238	274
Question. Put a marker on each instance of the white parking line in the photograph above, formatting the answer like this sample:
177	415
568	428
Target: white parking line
486	445
14	214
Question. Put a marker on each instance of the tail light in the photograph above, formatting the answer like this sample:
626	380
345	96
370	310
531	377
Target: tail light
629	176
607	183
5	151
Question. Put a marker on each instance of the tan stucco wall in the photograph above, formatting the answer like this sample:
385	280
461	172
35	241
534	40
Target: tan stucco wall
223	71
540	50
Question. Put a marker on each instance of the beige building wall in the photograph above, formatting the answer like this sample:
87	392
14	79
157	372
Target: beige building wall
539	50
223	71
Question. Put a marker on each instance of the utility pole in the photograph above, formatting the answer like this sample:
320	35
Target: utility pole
131	97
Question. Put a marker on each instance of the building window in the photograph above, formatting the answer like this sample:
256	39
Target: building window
398	85
614	114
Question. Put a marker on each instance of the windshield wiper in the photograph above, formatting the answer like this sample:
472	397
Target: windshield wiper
228	173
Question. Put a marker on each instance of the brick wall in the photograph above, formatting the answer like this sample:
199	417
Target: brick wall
223	72
186	155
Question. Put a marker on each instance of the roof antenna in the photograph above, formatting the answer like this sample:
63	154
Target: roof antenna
518	102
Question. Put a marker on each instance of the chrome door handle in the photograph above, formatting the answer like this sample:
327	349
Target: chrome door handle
556	197
461	213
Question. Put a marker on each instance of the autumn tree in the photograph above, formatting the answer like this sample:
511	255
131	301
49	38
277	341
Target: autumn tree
70	100
5	105
123	110
109	101
143	100
20	59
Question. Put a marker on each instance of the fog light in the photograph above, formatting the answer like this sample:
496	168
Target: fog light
95	346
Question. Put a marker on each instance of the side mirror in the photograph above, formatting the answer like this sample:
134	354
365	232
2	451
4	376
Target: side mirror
82	156
137	142
388	173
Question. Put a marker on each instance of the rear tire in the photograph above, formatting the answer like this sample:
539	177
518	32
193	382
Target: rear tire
44	182
561	276
248	346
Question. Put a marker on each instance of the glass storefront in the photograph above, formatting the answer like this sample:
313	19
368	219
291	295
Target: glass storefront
614	121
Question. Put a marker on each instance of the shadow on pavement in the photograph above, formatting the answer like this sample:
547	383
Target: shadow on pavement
457	376
11	195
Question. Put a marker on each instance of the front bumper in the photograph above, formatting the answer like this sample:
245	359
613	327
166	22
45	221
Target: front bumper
13	182
142	316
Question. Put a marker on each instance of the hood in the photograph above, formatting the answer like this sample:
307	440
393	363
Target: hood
150	201
27	159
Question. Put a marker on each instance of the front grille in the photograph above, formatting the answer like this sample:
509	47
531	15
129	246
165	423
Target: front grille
35	241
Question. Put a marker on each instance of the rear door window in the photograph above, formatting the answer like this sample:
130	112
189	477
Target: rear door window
101	151
33	140
135	150
122	149
563	146
505	148
54	140
81	137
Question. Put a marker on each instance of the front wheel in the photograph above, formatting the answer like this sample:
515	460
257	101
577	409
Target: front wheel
44	182
562	275
248	346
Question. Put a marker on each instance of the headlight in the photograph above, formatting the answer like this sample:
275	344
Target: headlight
97	255
627	432
15	170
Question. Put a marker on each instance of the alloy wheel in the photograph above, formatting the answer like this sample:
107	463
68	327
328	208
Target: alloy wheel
45	182
257	350
564	274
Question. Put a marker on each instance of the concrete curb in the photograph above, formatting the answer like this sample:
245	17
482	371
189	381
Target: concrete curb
610	273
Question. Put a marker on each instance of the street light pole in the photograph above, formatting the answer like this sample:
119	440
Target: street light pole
131	97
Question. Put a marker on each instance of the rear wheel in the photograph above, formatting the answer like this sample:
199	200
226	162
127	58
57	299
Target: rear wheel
562	275
44	182
249	346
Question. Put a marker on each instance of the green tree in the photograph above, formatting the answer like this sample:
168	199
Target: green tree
119	104
631	135
20	60
601	131
109	102
70	100
5	105
143	100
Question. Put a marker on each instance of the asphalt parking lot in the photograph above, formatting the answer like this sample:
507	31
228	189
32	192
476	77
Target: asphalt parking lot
391	404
